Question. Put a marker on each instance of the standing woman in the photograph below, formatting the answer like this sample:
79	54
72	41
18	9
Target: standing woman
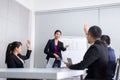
14	58
53	49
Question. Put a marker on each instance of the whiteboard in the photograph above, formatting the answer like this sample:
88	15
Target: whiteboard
76	50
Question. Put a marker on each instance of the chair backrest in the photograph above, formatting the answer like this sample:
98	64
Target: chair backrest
117	70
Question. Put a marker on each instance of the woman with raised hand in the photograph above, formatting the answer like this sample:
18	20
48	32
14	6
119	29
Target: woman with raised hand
14	58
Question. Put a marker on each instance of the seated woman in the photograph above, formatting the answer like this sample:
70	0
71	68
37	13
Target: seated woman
14	58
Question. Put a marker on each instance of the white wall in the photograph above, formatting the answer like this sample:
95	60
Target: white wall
14	26
109	21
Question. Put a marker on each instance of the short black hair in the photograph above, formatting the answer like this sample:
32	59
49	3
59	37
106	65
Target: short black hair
95	31
106	39
57	31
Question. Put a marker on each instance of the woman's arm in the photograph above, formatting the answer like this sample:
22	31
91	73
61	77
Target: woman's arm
90	57
46	49
27	56
64	47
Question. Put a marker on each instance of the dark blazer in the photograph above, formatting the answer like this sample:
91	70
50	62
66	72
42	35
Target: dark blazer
14	62
111	63
49	49
96	60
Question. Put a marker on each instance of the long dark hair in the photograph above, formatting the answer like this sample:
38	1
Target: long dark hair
11	47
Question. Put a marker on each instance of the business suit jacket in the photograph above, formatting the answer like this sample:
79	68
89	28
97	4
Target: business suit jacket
49	49
111	63
96	60
14	62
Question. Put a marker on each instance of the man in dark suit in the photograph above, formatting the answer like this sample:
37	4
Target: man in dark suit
111	57
96	57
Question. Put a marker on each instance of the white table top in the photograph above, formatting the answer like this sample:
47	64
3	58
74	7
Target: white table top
40	73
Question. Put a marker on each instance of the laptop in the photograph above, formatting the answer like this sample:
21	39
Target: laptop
50	63
69	60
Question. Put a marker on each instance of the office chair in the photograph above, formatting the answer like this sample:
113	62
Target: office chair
117	70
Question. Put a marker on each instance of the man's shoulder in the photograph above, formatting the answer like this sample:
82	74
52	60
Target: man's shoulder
110	49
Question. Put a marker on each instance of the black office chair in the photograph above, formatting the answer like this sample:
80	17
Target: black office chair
117	71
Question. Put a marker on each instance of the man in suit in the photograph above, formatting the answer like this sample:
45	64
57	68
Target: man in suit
96	57
111	57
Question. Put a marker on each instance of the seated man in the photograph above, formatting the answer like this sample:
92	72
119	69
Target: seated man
96	57
111	57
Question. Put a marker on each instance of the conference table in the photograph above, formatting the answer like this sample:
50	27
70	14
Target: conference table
40	73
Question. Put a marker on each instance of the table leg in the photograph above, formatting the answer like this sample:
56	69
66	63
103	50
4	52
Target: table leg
81	77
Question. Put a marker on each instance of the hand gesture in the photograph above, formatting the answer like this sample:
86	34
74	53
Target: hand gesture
56	56
85	28
67	64
28	44
66	46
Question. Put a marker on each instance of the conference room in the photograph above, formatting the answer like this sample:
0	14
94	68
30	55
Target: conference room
50	40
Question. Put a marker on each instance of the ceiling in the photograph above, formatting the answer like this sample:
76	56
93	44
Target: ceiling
43	5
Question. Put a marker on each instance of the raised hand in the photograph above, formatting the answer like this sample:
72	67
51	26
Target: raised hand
86	28
28	44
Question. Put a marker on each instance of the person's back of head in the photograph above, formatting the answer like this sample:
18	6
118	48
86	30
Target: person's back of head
94	33
106	39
